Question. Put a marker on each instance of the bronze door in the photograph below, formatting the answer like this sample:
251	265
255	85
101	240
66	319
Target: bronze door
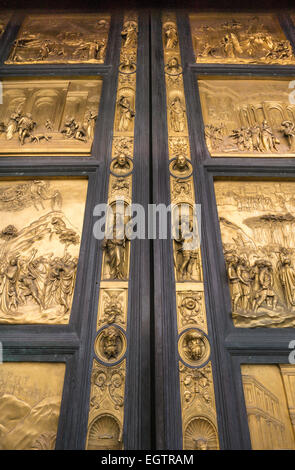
226	326
146	343
75	312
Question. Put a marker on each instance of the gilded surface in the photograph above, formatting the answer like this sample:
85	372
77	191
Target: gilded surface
116	244
113	304
40	237
48	116
267	407
199	426
247	117
256	222
239	39
61	39
30	401
198	408
110	344
288	375
106	412
191	307
105	426
193	347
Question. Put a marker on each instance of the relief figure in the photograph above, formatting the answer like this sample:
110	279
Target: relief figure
177	115
126	114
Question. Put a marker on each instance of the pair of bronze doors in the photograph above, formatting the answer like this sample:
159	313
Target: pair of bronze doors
143	342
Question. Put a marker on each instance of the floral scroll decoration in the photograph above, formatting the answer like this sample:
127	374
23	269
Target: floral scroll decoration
107	381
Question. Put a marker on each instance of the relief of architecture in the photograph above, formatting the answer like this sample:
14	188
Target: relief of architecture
256	222
61	38
39	248
49	116
248	117
30	401
288	375
267	407
240	39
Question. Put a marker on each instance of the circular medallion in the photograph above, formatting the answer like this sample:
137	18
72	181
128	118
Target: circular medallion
121	165
173	67
110	344
127	67
180	167
194	347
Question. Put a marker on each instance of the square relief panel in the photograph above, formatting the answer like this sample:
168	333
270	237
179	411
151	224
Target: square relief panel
247	117
30	401
242	38
40	236
270	405
257	229
48	116
69	38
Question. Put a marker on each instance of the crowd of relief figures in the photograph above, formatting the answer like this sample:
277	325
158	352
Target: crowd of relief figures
257	221
269	398
248	117
61	38
39	248
240	39
30	400
53	116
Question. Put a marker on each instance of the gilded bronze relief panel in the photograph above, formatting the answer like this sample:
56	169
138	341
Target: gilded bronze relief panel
30	404
247	117
49	116
269	401
257	230
69	38
242	38
40	236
